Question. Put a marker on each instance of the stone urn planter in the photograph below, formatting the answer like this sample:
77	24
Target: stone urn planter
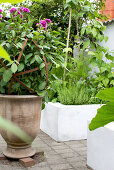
25	112
67	122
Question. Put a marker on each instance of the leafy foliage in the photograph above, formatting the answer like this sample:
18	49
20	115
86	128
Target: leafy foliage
105	114
73	94
13	34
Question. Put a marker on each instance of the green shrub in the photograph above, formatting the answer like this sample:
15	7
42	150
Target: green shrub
76	94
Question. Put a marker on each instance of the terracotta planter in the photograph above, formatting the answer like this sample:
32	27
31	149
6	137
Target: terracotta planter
25	112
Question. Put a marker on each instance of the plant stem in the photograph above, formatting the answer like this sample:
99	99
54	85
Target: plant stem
77	28
67	42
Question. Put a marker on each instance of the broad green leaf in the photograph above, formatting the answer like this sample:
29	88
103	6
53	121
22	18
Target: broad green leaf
13	33
109	57
112	82
42	65
19	45
38	59
110	75
94	32
82	31
105	81
66	50
10	127
91	53
20	67
33	60
106	94
88	30
4	54
42	85
30	35
104	116
103	69
86	44
14	68
7	75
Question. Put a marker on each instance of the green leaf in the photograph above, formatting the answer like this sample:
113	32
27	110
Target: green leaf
112	82
13	33
19	45
105	81
10	127
7	75
91	53
66	50
88	30
30	35
86	44
23	34
103	69
42	66
109	57
4	54
33	60
20	67
14	68
82	31
104	116
42	85
38	59
106	94
94	32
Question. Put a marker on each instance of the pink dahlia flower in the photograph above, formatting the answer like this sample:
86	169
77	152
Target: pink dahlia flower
48	20
12	10
21	9
26	10
43	23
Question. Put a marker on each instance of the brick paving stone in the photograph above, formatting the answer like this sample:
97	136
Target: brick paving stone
61	166
53	161
40	168
69	155
75	159
60	147
78	164
63	150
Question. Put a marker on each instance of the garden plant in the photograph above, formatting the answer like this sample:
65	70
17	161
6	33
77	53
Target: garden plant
33	52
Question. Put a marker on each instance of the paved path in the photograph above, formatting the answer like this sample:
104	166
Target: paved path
58	156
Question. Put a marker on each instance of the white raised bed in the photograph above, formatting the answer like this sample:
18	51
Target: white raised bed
67	122
100	148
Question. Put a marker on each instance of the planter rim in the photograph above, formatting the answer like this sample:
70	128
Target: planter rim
3	96
59	105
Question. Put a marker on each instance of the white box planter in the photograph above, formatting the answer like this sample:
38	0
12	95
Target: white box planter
67	122
100	148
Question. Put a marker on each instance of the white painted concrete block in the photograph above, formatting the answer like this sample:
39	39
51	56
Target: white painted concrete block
67	122
100	148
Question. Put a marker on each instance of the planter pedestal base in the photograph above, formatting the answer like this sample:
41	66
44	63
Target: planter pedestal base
27	161
18	153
